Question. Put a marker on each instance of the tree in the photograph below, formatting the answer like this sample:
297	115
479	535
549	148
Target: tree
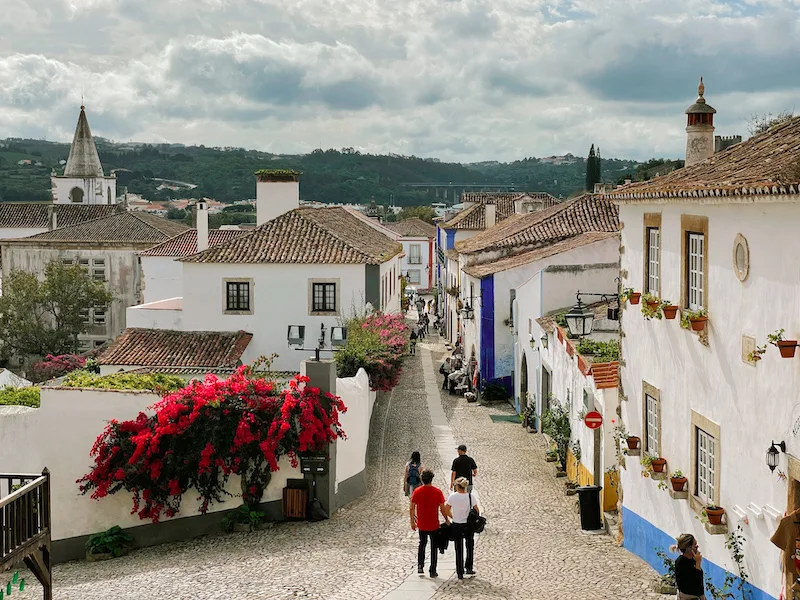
592	169
46	316
761	123
425	213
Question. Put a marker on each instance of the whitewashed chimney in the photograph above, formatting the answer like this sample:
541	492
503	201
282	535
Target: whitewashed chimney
490	215
201	209
699	128
277	192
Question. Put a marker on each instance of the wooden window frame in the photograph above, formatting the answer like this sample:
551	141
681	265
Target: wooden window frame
653	392
412	259
651	221
237	311
712	429
693	224
337	292
327	295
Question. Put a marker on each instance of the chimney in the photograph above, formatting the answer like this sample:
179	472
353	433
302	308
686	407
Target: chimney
201	218
699	128
52	218
490	214
277	192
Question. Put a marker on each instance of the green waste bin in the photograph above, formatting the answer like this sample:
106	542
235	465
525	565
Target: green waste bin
591	515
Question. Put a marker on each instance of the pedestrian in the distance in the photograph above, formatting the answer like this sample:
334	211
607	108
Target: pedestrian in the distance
421	329
420	306
412	479
413	342
458	506
427	502
463	466
688	568
427	321
445	370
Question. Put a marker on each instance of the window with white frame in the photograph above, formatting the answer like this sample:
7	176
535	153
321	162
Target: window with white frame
414	276
99	269
415	254
99	315
653	266
694	270
651	442
706	468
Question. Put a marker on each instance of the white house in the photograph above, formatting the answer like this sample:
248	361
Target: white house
417	238
713	237
308	267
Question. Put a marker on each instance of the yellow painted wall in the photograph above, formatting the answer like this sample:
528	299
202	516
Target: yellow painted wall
578	472
610	487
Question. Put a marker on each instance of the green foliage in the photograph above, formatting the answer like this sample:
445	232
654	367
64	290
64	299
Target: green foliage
28	396
593	169
112	541
667	578
688	315
775	337
600	352
647	311
277	174
244	515
425	213
377	343
494	392
764	122
154	382
45	317
555	423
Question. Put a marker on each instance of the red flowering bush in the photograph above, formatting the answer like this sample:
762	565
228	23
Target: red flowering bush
205	432
56	366
378	343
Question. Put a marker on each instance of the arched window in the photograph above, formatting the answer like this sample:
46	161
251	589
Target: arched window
76	194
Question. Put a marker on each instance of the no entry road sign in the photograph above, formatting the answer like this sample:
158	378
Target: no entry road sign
593	419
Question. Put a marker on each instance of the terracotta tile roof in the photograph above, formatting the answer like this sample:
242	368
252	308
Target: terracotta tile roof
474	217
29	215
766	164
606	375
164	347
413	227
218	371
580	215
185	243
121	227
517	260
309	236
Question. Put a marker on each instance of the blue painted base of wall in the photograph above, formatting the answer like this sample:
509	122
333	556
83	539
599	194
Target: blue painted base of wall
644	539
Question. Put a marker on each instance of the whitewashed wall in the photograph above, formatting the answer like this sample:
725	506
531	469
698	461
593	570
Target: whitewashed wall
753	405
359	399
161	278
161	314
425	281
19	232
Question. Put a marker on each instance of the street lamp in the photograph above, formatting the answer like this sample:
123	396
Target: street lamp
580	319
773	455
295	336
467	312
545	341
338	336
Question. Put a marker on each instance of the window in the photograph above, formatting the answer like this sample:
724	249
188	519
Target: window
68	262
695	270
415	254
84	263
99	269
652	414
86	316
413	277
706	467
99	316
546	389
324	297
653	255
238	295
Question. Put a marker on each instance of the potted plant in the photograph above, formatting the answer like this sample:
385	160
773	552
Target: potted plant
669	310
572	488
551	456
108	544
694	319
787	347
243	518
651	306
678	481
712	514
528	417
633	442
652	464
631	296
658	464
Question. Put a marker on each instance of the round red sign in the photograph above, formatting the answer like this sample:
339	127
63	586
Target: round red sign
593	419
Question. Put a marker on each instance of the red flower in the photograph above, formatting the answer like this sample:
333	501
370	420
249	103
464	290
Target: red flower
119	475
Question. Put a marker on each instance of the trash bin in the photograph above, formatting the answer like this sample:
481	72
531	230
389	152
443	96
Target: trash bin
589	498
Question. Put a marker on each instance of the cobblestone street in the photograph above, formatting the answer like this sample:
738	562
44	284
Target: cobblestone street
532	547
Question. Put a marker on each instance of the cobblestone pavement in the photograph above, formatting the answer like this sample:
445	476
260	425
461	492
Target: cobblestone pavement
532	548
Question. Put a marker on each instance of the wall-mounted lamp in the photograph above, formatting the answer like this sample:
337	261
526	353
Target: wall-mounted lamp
296	336
580	319
467	312
533	342
545	341
773	455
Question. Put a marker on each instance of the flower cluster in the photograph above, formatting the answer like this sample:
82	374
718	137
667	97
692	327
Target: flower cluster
56	366
205	432
378	343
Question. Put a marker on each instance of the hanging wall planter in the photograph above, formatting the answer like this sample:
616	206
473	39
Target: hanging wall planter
633	442
658	464
787	348
714	514
670	311
698	323
694	319
678	481
634	297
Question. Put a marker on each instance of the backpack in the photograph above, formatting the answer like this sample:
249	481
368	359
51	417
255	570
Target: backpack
413	474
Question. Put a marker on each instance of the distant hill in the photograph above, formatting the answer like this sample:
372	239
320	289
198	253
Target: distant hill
226	174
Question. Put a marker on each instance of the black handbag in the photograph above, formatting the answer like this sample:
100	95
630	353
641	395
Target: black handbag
475	521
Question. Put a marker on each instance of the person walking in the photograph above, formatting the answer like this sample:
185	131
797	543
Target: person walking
458	506
463	466
688	569
445	369
420	304
412	478
412	339
427	502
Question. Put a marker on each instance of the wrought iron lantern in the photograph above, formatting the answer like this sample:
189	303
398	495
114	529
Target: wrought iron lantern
580	320
773	455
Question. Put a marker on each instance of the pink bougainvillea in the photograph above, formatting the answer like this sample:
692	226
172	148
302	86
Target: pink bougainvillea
378	343
56	366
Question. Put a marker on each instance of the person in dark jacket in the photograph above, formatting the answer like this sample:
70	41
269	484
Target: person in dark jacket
688	569
412	342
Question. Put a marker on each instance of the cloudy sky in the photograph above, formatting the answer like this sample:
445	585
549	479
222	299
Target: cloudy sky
463	80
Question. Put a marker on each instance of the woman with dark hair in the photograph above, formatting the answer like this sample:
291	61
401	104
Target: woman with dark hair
688	569
413	475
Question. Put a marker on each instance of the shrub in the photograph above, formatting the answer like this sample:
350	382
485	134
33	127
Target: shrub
154	382
376	343
494	392
599	351
205	432
27	396
555	423
56	366
112	541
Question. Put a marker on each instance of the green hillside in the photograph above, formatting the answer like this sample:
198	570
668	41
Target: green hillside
328	175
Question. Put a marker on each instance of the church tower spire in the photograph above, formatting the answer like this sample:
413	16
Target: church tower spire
83	181
699	128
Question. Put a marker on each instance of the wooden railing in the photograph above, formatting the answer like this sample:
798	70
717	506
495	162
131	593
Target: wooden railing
25	525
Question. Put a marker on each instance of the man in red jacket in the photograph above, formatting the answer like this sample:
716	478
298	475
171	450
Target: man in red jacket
427	502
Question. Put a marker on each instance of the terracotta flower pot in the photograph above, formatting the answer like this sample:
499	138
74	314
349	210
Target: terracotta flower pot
787	348
633	442
670	312
677	483
652	305
698	323
715	515
634	297
658	465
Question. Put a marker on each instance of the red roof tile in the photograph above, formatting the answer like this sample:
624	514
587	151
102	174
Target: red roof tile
185	243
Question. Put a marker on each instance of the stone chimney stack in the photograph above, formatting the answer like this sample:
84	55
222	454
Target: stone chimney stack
201	218
490	214
699	129
52	218
277	192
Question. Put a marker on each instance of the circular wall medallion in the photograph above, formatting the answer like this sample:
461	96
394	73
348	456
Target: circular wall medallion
741	257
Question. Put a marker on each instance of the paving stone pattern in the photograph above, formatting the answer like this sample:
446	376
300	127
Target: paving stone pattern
532	548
